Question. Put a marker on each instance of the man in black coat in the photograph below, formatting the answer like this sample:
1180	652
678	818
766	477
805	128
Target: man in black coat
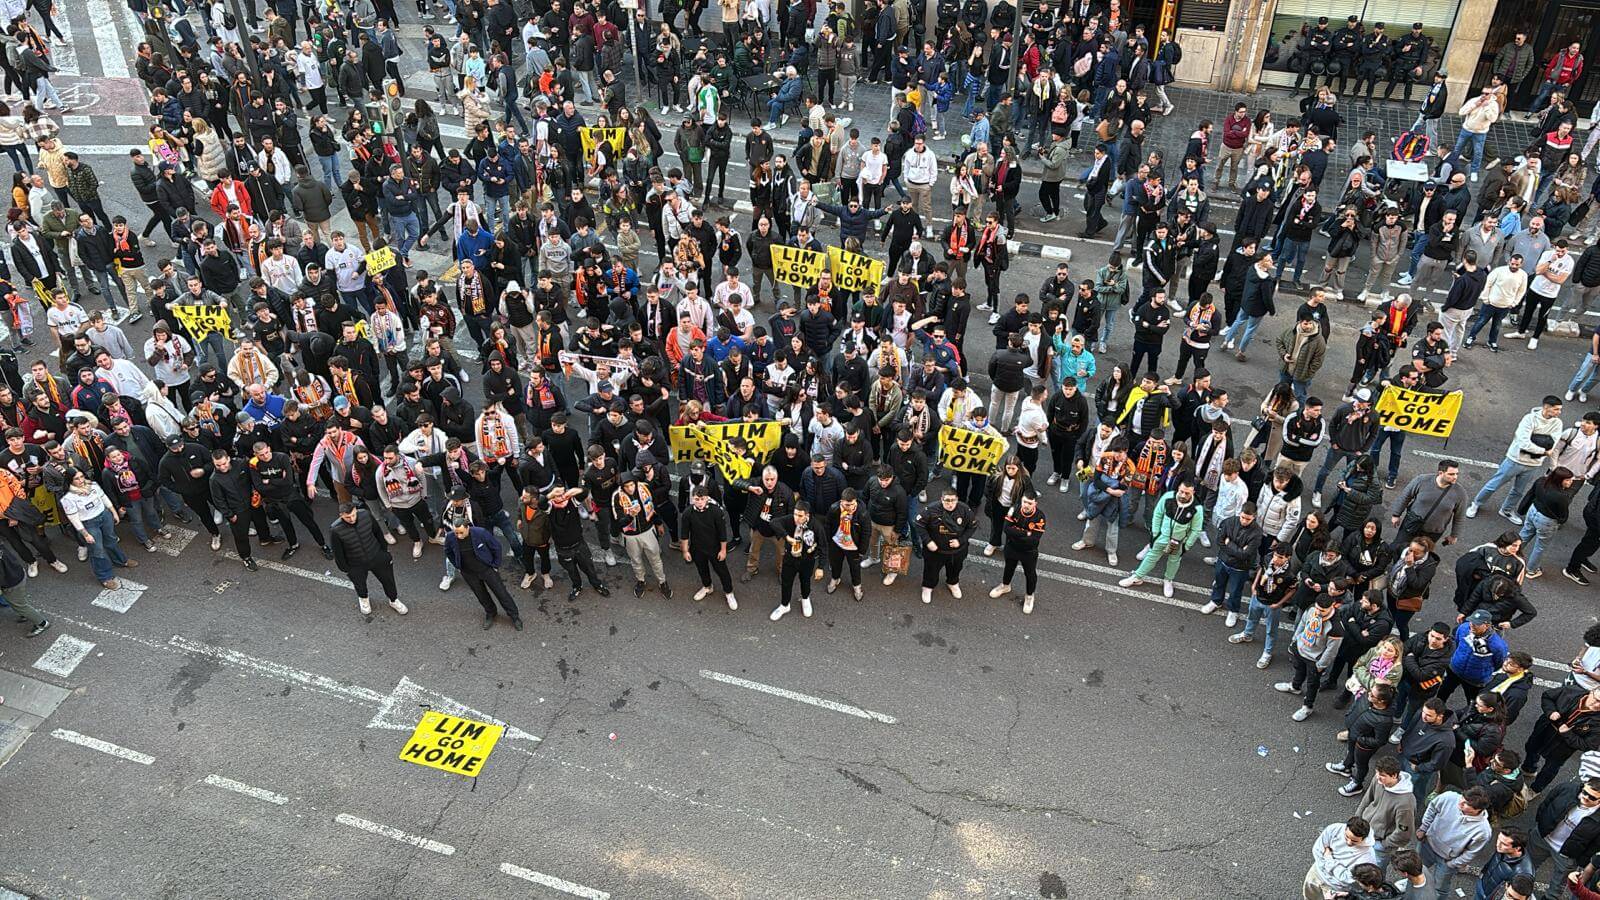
359	550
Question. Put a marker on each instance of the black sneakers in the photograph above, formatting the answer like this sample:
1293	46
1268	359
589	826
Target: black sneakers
40	628
488	621
1576	576
251	564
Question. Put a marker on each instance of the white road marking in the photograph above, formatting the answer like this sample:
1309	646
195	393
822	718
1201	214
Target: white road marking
63	656
278	671
76	121
550	881
394	834
121	598
239	787
83	740
113	63
401	710
130	121
786	694
285	568
1480	463
172	546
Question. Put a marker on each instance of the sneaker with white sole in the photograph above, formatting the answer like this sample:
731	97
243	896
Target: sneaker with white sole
778	612
33	569
527	581
1316	501
611	559
1209	608
59	566
702	593
1240	637
398	607
805	607
216	542
1533	343
365	604
889	578
1055	478
445	582
1337	768
1081	545
733	602
868	563
1062	487
1143	552
548	582
1301	714
1232	620
416	550
1131	581
927	595
955	591
1472	510
83	553
1205	539
1027	605
999	590
388	539
857	591
1111	558
1397	735
1166	588
1264	661
1350	789
1285	687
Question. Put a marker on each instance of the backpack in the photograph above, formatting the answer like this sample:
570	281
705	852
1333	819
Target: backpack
1410	147
919	125
1059	115
228	21
1083	65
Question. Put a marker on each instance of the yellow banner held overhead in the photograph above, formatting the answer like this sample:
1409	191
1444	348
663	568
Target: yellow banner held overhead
201	319
1417	412
965	450
797	267
854	271
451	743
380	260
706	443
591	137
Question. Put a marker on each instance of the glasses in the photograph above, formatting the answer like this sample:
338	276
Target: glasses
1591	797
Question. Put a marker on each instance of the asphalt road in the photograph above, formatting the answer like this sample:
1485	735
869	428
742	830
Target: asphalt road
1105	745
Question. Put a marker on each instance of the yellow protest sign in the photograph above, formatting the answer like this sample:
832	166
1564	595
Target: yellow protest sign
43	292
710	444
854	271
793	266
201	319
1417	412
451	743
591	137
965	450
380	260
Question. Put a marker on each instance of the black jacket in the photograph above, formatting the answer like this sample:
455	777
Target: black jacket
359	545
230	490
1584	841
1425	667
1006	370
940	526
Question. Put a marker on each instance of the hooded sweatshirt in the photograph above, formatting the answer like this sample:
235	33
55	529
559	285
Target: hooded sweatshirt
1332	857
1318	634
1523	451
1392	812
1426	747
1454	837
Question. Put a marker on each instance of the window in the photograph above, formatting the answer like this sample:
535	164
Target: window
1294	17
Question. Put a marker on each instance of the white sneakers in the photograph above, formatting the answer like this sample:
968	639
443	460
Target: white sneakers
445	582
216	542
416	550
548	582
59	566
1166	588
778	612
833	585
1316	500
1205	539
33	569
869	562
1284	687
1111	558
989	549
890	577
1533	343
702	593
365	604
388	539
83	553
927	595
1131	581
733	602
611	559
1143	552
1209	608
1027	604
398	607
1081	545
857	591
955	591
805	607
1472	510
1301	714
527	581
1233	619
1055	477
999	590
1241	638
1264	661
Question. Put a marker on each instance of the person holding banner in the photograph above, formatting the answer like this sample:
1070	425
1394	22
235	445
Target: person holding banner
945	527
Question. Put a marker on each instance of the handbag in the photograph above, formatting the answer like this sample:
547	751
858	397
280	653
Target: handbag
897	558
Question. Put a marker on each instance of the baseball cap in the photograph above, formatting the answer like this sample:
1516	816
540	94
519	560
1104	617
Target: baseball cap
175	441
1480	617
1364	395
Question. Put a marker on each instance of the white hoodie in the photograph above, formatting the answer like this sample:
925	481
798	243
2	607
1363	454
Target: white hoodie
1332	857
1522	450
1454	837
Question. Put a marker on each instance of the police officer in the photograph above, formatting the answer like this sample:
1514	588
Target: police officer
1346	50
1410	55
1313	52
1373	55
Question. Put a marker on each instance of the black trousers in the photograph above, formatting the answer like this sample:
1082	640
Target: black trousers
1587	544
792	569
577	563
30	543
1307	680
718	172
385	575
706	563
1186	353
840	560
1094	216
285	511
201	504
997	519
1357	759
530	553
1028	560
1050	197
240	528
488	588
417	519
947	563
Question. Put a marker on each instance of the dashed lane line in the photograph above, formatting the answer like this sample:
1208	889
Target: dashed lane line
551	881
787	694
394	834
64	656
106	747
239	787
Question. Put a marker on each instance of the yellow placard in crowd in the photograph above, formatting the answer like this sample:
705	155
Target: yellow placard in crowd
451	743
796	267
201	319
710	444
591	137
965	450
380	260
854	271
1417	412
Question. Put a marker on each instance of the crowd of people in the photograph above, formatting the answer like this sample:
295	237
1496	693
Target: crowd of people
606	312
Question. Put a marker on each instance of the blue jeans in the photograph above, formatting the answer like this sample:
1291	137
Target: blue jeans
1439	872
1301	388
993	98
105	552
1397	442
1416	253
361	299
774	112
404	231
1521	476
1588	374
1491	316
1108	325
913	505
104	279
1331	459
1228	585
330	172
1292	249
1256	613
508	532
144	519
1538	528
1243	328
498	209
1467	138
1541	99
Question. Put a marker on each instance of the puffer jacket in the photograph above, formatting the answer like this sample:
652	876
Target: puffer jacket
358	545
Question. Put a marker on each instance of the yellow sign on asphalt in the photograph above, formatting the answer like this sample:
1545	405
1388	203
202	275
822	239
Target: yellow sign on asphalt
451	743
1419	412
